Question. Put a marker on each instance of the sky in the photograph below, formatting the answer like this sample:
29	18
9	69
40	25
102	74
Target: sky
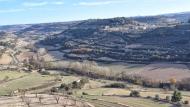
42	11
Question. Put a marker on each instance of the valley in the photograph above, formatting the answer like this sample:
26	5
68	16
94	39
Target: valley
96	63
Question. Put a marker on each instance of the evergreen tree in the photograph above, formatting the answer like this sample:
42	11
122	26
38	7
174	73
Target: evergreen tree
176	96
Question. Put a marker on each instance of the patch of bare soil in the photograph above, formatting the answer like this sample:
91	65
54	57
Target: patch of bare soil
5	59
163	72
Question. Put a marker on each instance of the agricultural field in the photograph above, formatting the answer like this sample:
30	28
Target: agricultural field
96	94
46	101
121	97
155	71
21	80
11	74
126	102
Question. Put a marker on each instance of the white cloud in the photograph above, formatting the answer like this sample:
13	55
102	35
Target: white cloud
98	3
34	4
11	10
42	3
57	3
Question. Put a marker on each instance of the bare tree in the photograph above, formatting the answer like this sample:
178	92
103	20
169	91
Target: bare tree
22	98
22	92
28	101
36	94
40	99
57	98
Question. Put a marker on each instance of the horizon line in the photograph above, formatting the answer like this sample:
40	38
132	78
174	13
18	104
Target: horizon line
66	21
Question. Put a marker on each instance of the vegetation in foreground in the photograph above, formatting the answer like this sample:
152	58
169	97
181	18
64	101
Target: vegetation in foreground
95	91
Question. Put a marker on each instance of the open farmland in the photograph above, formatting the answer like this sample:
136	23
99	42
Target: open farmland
20	80
125	102
157	71
11	74
47	101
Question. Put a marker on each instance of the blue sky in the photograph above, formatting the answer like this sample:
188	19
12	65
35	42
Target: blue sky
40	11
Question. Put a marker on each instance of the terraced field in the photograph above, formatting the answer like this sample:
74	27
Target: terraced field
24	82
113	101
121	97
11	74
20	80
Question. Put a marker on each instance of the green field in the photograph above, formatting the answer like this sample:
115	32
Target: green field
11	74
19	80
128	101
100	97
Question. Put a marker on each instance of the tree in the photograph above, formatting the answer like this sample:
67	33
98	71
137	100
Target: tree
157	97
36	94
173	81
135	94
57	98
22	98
27	101
176	96
40	99
168	98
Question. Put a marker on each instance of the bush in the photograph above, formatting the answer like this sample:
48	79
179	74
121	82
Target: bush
148	97
79	84
186	102
157	97
65	87
83	81
54	89
83	93
62	86
135	94
76	85
116	85
176	96
70	93
168	98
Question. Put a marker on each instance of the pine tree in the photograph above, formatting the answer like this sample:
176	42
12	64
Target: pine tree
176	96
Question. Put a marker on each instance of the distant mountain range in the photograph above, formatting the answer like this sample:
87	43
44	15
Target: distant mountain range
134	39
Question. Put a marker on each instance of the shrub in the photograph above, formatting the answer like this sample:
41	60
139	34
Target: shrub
157	97
76	84
176	96
168	98
54	89
116	85
63	86
79	84
135	94
186	102
70	93
84	93
148	97
83	81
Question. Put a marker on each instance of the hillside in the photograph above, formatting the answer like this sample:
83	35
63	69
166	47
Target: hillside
136	39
